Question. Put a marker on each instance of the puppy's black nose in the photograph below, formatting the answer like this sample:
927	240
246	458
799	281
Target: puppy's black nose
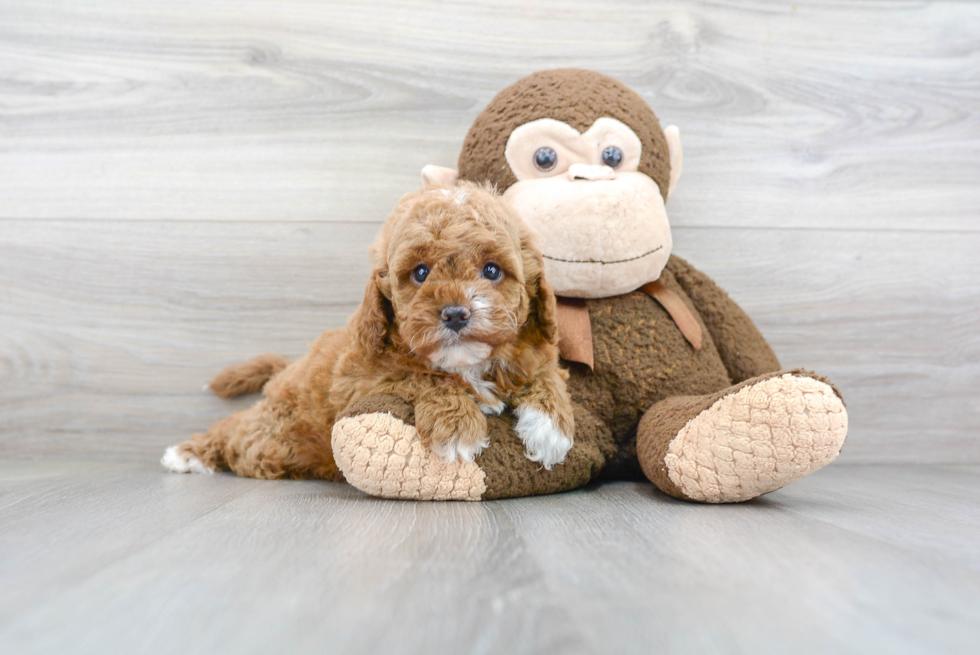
455	317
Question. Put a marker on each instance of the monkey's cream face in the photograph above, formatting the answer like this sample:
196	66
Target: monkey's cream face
602	223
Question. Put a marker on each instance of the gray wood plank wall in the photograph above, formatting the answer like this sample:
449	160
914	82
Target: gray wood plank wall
186	184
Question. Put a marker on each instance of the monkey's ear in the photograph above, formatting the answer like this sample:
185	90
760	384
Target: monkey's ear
438	176
372	321
676	156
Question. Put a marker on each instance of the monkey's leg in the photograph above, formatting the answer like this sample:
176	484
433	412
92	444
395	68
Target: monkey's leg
380	452
744	441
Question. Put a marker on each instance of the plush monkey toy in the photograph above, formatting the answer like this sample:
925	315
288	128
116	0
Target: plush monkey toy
671	379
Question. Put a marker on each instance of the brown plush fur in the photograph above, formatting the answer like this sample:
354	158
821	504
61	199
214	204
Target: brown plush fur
396	343
573	96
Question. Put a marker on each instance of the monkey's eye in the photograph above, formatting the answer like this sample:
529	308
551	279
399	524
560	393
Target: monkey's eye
420	272
492	272
545	158
612	156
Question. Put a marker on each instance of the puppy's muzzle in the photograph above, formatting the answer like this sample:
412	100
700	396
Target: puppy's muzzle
455	317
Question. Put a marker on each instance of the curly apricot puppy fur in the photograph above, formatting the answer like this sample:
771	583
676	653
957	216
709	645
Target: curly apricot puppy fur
457	319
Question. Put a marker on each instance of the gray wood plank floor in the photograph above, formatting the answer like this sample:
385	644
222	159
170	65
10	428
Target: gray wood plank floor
125	558
108	355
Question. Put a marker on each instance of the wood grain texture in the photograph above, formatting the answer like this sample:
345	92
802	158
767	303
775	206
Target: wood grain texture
187	184
109	329
111	558
858	114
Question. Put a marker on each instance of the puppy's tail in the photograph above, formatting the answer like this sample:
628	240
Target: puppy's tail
247	377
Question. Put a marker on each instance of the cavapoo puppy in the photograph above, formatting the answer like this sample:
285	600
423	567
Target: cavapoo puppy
457	319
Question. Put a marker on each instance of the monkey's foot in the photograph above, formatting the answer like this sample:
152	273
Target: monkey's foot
745	441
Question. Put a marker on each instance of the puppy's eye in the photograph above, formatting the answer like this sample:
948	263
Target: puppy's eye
420	272
612	156
492	272
545	158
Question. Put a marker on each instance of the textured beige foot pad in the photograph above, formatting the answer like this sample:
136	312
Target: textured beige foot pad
758	439
384	456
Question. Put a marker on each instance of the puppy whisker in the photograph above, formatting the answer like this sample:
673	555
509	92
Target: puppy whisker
512	322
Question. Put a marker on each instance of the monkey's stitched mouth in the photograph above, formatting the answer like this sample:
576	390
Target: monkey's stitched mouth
599	261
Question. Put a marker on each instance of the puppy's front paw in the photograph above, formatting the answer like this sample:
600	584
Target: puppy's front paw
495	409
543	441
453	433
454	448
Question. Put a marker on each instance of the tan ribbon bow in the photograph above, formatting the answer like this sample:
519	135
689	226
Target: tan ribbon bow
575	327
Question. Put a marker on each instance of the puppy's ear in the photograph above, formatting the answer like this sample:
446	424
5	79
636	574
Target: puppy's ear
372	321
542	308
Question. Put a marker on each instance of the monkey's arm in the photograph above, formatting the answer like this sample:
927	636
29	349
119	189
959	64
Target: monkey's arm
742	347
378	449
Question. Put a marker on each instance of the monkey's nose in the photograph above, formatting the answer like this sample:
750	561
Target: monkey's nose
590	173
455	317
